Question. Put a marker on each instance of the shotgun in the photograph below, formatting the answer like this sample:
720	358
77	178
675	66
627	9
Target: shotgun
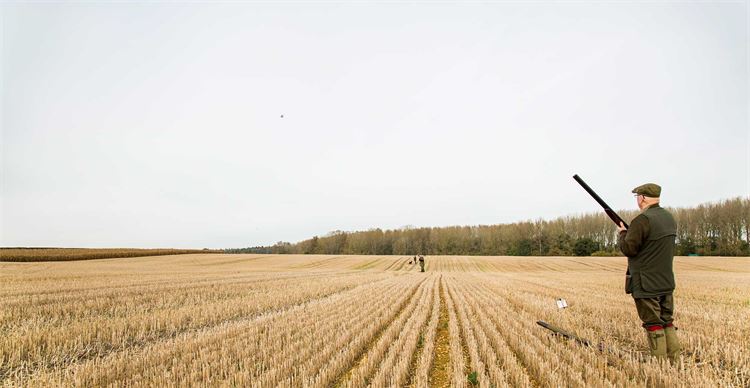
563	333
601	347
611	213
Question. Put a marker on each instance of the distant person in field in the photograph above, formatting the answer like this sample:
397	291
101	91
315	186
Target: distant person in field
649	244
421	263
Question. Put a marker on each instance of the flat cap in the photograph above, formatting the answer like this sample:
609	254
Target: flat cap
649	189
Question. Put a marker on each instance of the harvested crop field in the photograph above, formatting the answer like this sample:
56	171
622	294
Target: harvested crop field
352	321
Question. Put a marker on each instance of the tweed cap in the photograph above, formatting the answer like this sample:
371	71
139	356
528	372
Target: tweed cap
649	189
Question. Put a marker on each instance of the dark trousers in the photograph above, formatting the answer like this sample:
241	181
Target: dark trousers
656	311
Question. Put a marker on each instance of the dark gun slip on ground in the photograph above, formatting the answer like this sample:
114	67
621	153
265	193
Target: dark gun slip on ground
323	320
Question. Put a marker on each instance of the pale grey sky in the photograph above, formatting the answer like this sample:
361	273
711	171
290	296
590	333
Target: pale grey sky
158	125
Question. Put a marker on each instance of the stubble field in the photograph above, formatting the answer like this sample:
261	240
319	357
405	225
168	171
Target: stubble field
353	321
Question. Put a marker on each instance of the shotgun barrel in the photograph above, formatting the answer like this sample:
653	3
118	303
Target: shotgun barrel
611	213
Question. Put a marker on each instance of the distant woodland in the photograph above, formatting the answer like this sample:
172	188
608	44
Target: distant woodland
712	229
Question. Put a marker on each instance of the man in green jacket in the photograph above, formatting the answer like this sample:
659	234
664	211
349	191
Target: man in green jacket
649	245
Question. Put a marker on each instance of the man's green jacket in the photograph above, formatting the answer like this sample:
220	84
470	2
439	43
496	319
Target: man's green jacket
649	245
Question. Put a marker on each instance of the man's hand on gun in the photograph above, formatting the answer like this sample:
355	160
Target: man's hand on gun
621	228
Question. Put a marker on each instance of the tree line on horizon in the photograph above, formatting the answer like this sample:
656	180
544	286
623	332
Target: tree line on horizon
711	229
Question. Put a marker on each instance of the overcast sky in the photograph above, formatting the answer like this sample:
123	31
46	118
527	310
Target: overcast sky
159	125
